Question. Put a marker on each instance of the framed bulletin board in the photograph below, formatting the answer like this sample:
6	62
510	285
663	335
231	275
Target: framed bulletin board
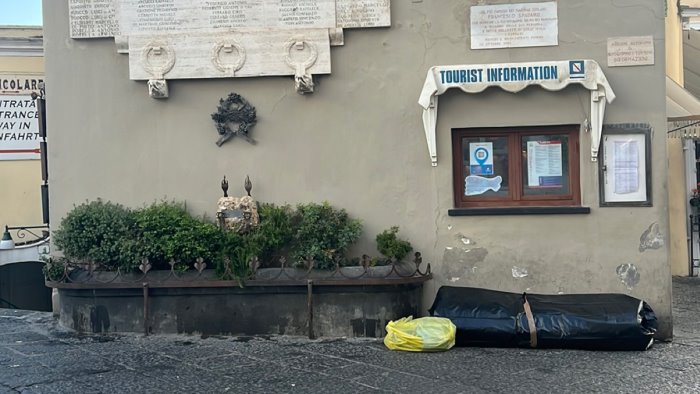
625	168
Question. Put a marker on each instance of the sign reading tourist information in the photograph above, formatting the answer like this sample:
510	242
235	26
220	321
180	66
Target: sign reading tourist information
630	51
19	128
514	25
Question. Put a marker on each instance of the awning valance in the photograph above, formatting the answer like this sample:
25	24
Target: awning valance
514	77
682	111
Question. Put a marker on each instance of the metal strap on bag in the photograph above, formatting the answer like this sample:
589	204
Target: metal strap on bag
530	322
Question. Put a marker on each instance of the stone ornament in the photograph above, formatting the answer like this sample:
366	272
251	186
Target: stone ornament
228	47
239	214
158	86
303	81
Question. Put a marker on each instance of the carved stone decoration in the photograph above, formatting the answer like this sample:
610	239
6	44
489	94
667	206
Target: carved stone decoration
234	111
239	214
163	53
158	88
295	48
157	59
228	47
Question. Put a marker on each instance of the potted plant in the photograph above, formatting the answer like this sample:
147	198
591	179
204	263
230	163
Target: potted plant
394	250
695	197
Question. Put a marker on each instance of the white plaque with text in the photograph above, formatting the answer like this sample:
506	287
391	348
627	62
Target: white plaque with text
179	16
363	13
630	51
239	53
93	18
514	25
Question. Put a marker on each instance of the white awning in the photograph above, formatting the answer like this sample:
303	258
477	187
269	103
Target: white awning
514	77
682	111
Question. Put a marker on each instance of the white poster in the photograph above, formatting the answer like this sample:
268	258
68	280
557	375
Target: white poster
626	170
544	164
514	25
19	128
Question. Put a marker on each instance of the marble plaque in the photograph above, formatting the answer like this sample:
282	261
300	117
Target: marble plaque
238	53
514	25
630	51
178	16
363	13
93	18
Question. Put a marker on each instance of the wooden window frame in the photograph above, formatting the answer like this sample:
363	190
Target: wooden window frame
516	197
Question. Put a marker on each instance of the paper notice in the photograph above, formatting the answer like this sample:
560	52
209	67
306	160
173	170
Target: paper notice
626	162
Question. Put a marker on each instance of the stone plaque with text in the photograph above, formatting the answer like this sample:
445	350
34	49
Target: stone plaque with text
93	18
239	53
177	16
514	25
630	51
363	13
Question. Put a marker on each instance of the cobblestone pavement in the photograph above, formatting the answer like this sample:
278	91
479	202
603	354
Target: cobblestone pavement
37	356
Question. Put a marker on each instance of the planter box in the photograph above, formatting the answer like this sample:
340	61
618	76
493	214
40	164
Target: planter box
193	305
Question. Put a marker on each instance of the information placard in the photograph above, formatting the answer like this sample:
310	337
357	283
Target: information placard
514	25
630	51
93	18
363	13
19	128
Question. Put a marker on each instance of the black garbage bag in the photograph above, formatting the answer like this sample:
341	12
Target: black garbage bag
572	321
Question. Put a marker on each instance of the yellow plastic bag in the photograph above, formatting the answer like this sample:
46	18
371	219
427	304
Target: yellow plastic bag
426	334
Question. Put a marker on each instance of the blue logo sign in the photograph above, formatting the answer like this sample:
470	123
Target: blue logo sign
577	69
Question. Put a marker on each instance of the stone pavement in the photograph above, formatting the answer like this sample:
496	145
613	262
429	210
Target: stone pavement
37	356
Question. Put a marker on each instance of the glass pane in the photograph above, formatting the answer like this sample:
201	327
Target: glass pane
545	165
485	167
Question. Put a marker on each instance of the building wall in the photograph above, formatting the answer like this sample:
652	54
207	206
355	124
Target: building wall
358	142
20	180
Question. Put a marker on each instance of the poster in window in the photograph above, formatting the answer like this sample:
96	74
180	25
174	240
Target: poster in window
481	158
544	164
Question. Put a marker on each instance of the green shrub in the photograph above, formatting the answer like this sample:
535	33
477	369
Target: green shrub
100	232
392	247
168	232
324	234
274	233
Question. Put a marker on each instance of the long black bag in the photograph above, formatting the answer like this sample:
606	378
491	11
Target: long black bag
572	321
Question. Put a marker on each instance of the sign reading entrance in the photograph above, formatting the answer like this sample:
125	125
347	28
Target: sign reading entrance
19	128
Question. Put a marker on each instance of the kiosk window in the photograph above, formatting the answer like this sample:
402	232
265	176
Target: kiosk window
528	166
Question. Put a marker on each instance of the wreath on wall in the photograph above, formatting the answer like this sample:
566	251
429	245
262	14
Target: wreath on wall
234	117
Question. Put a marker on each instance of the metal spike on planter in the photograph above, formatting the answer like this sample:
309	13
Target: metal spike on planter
418	260
89	266
200	265
254	264
227	267
283	261
365	262
172	265
145	265
224	186
248	185
309	263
